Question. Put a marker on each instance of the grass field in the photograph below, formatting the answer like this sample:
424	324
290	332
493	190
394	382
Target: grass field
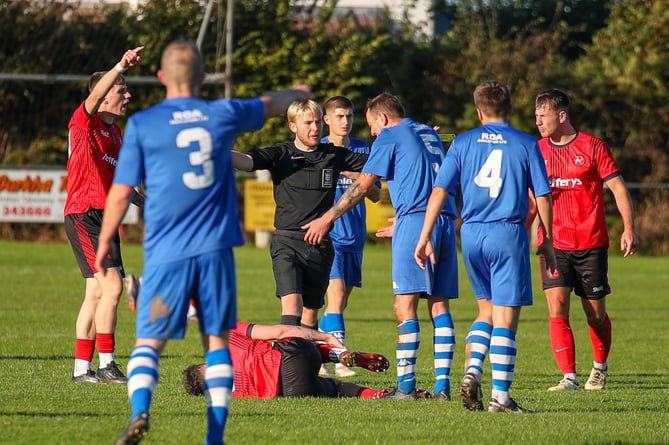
43	289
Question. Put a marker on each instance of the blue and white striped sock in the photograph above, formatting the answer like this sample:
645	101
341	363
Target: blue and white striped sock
142	378
406	352
218	380
444	345
502	362
478	342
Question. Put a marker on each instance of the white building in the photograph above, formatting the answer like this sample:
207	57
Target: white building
418	11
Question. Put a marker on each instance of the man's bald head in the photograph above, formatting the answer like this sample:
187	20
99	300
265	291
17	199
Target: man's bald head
182	64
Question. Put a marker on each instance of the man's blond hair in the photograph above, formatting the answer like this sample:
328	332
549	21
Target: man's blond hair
301	107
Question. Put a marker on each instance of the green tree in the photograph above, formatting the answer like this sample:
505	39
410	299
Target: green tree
623	95
528	59
505	17
34	116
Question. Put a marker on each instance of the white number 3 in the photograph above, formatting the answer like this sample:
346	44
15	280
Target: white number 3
202	157
489	174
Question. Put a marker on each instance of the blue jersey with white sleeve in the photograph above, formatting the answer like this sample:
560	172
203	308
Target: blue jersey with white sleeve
350	230
408	155
186	168
495	165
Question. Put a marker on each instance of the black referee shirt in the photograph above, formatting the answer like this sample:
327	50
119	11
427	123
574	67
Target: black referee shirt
304	182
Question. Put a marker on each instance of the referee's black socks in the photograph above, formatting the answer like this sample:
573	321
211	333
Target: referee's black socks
292	320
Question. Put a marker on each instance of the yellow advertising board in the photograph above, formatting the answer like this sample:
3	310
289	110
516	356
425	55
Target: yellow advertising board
379	212
259	207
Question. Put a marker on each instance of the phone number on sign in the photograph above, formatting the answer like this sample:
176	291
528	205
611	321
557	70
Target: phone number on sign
25	211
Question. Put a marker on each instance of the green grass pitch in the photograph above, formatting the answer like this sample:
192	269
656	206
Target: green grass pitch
42	289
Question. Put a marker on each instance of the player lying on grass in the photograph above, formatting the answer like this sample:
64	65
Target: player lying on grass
282	360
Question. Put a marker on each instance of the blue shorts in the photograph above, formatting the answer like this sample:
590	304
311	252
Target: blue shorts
497	260
348	267
440	279
167	289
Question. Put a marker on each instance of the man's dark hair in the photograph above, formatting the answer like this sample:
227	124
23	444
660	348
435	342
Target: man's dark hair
554	99
386	103
493	98
96	76
338	102
194	379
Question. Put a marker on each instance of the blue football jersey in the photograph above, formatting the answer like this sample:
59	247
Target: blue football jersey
408	155
350	230
180	150
495	165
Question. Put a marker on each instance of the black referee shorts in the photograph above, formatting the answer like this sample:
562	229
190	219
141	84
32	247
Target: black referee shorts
301	268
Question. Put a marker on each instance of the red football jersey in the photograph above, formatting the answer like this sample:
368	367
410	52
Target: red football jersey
256	364
577	172
93	149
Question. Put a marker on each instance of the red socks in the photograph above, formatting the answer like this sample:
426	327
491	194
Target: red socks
562	342
105	343
600	336
83	349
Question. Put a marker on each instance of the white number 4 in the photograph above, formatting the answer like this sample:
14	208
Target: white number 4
489	174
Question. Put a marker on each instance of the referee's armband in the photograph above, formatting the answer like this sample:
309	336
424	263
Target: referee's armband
137	198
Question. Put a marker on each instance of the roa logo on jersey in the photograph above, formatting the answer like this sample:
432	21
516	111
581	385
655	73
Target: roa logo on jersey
579	160
491	138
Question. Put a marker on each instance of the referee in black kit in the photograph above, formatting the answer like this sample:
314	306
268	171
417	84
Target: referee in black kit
304	174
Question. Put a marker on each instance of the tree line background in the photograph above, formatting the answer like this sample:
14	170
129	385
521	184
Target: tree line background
609	55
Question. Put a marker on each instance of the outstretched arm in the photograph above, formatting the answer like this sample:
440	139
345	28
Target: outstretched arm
374	192
97	95
318	228
279	331
276	102
242	161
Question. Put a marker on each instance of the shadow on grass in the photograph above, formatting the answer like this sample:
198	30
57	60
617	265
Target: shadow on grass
71	357
36	357
617	381
54	415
